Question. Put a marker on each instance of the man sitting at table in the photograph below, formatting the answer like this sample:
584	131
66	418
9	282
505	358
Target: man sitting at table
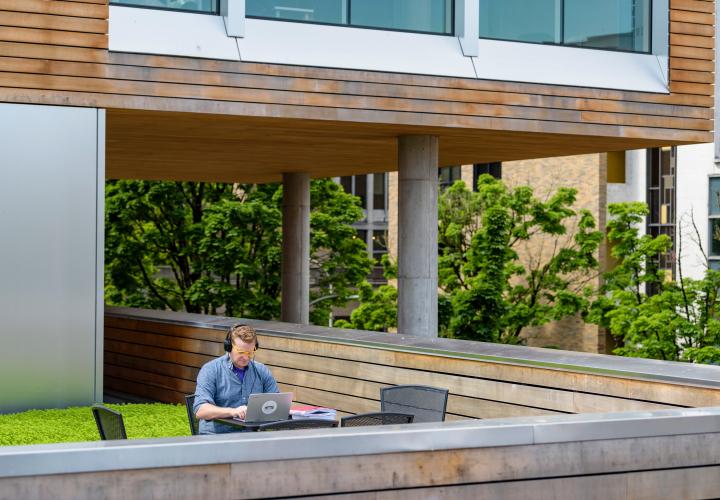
225	383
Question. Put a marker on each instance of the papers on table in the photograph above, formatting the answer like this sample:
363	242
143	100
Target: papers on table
299	412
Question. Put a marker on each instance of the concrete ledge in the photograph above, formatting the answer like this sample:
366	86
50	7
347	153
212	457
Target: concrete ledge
330	443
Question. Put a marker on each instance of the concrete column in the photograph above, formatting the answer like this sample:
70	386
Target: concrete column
417	235
295	306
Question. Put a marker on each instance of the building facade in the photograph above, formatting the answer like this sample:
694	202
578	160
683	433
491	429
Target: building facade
285	90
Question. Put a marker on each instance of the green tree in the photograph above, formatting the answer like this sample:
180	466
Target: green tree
378	306
488	292
680	321
216	248
495	289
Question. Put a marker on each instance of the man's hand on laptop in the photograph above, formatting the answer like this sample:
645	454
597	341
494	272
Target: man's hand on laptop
238	412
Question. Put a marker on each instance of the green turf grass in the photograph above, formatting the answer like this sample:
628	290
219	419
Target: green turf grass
77	424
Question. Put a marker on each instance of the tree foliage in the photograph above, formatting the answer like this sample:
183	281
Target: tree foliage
490	289
378	306
508	259
216	248
679	321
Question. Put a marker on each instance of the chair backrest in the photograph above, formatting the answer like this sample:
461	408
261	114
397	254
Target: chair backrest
377	418
427	404
109	423
194	424
306	423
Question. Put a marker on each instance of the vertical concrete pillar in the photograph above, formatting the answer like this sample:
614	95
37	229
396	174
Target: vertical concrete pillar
295	306
417	235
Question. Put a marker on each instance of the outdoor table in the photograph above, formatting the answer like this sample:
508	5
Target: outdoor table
248	426
253	426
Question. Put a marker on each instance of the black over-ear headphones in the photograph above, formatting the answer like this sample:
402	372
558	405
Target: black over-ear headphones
228	345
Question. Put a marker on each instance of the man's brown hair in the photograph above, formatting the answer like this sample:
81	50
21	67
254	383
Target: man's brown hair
245	333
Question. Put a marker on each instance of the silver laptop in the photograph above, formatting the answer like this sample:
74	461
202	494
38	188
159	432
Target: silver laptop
268	407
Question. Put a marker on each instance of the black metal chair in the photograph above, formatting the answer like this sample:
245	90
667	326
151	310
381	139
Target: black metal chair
427	404
194	424
376	418
306	423
109	423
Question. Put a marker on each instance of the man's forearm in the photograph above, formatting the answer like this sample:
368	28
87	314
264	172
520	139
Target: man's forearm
209	411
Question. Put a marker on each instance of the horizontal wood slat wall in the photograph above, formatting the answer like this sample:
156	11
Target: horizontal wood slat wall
160	361
55	52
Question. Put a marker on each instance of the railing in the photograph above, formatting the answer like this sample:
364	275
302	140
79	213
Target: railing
157	355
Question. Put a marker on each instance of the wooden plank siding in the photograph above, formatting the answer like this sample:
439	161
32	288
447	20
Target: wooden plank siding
55	52
160	361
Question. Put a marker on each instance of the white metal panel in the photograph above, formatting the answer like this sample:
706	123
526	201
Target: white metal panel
694	165
48	256
555	65
356	48
155	31
233	12
467	27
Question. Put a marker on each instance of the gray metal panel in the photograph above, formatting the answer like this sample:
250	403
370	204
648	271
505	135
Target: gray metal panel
48	261
100	257
351	441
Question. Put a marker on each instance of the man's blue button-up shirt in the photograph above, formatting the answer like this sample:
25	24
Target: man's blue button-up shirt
218	385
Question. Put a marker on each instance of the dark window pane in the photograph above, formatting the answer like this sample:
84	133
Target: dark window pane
361	189
318	11
654	168
362	234
210	6
521	20
608	24
346	183
433	16
379	244
654	207
448	175
714	195
665	161
494	169
379	182
714	236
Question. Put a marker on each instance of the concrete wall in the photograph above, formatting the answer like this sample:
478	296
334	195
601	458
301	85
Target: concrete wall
51	245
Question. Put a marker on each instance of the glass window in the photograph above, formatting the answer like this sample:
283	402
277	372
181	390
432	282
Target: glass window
602	24
362	235
379	244
714	208
521	20
448	175
379	183
346	182
361	189
608	24
208	6
494	169
714	237
312	11
432	16
661	164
